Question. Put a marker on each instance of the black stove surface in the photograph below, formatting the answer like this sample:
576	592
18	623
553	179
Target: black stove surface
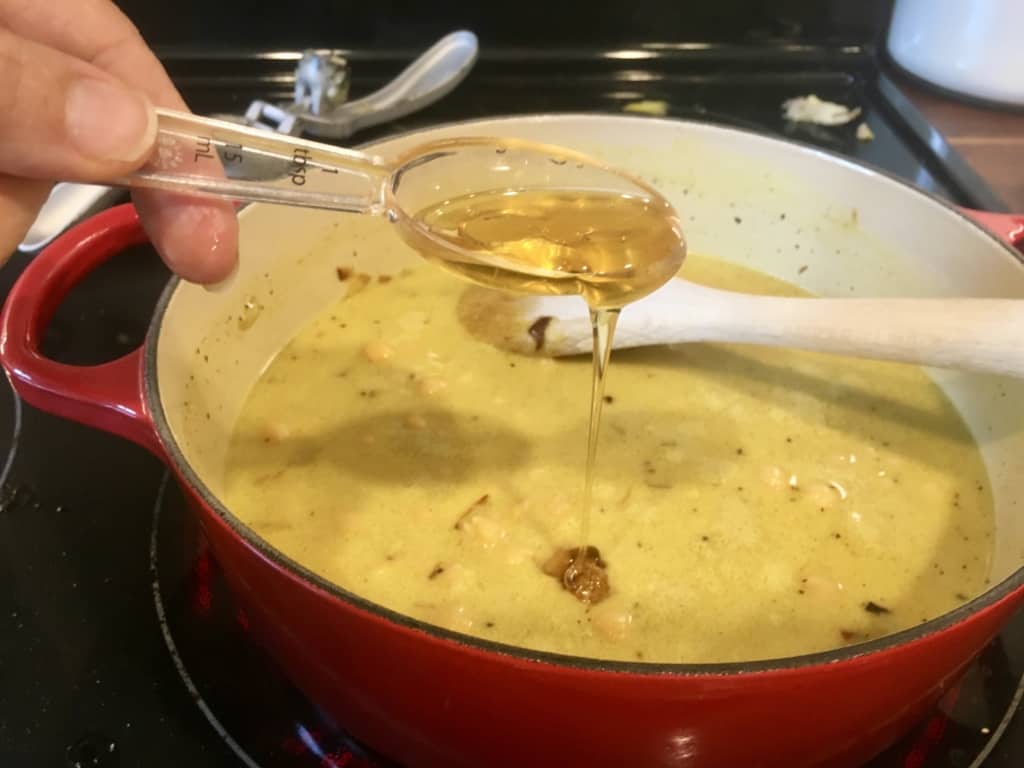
119	645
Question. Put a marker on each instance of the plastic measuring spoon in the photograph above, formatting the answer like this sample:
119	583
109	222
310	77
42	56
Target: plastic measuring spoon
214	159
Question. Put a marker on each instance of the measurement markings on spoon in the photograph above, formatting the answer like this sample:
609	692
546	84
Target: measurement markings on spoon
232	153
300	164
204	148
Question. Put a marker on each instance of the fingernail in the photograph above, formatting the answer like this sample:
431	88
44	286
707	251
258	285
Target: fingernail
107	122
226	284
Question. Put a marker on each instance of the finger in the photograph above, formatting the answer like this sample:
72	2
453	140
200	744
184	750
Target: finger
20	201
65	119
198	241
95	31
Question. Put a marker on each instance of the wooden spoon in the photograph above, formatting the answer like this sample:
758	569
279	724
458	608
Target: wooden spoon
971	334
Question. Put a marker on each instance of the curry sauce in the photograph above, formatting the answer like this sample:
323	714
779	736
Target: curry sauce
749	503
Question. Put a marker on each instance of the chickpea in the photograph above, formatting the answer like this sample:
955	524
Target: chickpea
415	421
822	495
433	385
613	623
775	477
275	432
377	352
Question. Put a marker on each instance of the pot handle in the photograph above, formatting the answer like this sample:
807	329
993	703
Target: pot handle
109	396
1008	227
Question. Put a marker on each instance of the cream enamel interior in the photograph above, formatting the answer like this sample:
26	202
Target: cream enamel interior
857	232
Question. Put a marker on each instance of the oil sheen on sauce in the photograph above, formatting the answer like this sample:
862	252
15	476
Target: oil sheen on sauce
610	248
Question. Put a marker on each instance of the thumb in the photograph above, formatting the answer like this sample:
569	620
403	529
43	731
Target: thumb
65	119
107	123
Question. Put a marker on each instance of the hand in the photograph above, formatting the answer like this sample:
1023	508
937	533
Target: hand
77	89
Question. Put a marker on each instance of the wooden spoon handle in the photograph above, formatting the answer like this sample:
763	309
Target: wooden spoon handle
973	334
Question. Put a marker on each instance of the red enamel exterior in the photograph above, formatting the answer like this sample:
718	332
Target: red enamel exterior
108	396
432	701
1007	226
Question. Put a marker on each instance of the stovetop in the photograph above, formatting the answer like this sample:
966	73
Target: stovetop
119	645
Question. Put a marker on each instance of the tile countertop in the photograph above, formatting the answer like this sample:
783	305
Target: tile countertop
991	140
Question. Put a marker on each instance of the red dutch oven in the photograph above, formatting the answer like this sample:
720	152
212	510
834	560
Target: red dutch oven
429	697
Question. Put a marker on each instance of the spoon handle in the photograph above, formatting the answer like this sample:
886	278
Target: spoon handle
202	157
984	335
429	78
974	334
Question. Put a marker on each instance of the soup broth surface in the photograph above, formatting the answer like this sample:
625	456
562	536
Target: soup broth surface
749	503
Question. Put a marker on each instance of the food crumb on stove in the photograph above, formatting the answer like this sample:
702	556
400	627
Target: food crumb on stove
864	132
811	109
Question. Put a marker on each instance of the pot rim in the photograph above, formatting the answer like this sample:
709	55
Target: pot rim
987	599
